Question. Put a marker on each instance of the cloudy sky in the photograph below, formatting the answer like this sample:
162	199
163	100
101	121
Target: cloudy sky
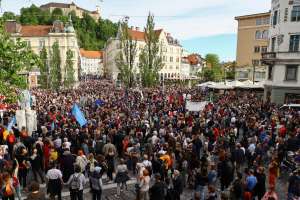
203	26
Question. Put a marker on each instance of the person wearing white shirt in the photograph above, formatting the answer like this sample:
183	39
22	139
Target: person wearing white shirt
54	182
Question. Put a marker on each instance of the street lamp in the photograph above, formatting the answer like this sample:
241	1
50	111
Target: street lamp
253	74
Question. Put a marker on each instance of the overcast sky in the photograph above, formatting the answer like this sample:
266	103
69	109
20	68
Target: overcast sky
198	24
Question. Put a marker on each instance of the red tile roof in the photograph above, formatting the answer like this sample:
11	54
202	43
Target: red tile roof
139	35
91	54
193	59
35	30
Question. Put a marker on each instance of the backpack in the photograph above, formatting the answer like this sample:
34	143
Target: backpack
75	183
11	139
8	190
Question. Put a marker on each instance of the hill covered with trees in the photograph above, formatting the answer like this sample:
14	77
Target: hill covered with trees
91	34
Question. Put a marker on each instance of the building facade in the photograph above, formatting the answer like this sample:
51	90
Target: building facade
252	40
171	52
91	63
283	56
39	36
67	8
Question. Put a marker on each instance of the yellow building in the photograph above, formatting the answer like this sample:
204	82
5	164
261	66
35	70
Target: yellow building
67	8
252	40
39	36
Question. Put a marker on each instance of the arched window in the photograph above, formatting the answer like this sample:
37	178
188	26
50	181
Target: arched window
265	34
258	35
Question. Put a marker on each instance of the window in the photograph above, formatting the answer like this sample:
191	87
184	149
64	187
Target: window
258	35
273	44
177	59
264	49
295	14
270	72
42	43
291	72
294	43
255	62
257	49
177	67
171	59
275	18
243	75
258	22
262	21
265	34
260	75
171	67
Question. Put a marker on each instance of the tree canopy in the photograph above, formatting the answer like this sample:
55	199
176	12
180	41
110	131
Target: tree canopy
91	34
15	56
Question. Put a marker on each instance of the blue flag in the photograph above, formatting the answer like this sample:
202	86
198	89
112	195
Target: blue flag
11	123
76	112
99	102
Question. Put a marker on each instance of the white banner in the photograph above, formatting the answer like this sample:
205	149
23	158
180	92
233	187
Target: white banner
21	119
31	121
195	106
26	119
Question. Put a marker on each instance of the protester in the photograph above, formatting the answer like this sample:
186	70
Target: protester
151	129
76	184
34	192
54	182
121	176
96	183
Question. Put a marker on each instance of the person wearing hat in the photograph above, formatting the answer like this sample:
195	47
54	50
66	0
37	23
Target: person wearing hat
157	191
96	183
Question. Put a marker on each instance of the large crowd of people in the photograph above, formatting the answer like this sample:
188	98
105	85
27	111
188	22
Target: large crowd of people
238	147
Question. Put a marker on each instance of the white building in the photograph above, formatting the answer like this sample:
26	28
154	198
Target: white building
283	56
91	63
191	66
171	53
39	36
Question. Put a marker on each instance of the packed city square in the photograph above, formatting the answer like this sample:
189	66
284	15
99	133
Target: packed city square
150	100
237	147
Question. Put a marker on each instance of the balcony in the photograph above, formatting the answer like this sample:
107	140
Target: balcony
270	58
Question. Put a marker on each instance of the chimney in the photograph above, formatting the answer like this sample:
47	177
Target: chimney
137	28
11	26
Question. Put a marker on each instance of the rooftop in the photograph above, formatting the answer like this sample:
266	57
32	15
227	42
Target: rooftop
91	54
65	5
140	35
265	14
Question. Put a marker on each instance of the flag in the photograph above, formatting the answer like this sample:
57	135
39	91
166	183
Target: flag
11	123
99	102
76	112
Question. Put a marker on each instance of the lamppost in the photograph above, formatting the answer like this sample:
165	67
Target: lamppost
253	73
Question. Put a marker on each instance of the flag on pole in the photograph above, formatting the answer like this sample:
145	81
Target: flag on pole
11	123
76	112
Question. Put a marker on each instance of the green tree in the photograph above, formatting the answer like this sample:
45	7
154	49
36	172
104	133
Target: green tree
9	16
44	78
150	60
30	16
125	59
55	67
69	70
213	72
15	56
229	67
